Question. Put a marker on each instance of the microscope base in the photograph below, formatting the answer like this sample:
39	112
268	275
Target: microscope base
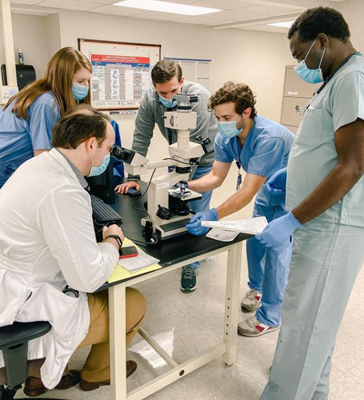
171	228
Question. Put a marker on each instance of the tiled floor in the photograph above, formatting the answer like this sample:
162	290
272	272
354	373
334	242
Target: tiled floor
185	324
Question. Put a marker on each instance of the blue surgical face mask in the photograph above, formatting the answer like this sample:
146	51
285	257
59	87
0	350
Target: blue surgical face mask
168	103
79	92
228	129
96	171
307	74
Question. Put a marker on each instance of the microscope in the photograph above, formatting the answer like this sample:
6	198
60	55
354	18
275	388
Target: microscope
168	195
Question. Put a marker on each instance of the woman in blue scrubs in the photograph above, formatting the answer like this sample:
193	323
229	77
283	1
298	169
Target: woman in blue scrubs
27	120
260	147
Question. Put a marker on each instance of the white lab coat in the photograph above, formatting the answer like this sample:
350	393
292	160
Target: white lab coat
47	241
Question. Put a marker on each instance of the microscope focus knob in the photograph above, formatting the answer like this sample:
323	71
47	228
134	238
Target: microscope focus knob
164	213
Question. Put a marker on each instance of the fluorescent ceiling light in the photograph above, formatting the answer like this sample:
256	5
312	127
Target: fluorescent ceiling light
154	5
286	24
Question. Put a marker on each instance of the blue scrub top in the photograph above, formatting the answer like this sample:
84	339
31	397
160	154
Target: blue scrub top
314	154
19	137
265	151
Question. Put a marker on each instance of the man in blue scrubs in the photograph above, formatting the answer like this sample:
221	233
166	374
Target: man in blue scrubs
325	192
260	147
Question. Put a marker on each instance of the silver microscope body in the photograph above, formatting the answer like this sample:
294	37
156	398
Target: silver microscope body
168	198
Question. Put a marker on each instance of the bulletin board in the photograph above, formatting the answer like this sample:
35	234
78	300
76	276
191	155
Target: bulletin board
121	72
195	70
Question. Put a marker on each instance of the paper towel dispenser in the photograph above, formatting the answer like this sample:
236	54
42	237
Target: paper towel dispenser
24	74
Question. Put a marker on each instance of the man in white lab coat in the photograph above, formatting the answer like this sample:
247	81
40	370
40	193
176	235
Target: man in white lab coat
50	263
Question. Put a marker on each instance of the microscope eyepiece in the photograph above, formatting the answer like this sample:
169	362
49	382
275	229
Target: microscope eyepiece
122	154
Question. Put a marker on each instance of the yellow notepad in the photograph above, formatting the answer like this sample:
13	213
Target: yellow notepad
121	273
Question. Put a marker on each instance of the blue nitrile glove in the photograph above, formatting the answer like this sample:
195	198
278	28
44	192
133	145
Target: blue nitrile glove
279	230
276	187
194	226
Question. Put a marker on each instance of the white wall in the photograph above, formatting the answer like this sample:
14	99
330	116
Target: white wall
353	12
30	35
53	34
39	38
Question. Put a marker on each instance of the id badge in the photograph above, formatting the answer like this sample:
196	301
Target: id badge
238	181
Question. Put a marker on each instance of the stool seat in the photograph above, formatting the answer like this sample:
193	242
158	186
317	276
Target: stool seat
22	332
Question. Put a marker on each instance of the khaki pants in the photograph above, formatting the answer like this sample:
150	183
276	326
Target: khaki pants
97	365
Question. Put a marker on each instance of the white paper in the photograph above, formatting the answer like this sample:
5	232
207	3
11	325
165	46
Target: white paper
251	226
142	260
221	235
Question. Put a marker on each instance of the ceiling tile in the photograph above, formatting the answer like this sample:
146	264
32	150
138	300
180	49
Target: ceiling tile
25	2
114	10
181	1
103	2
268	10
223	4
68	4
159	16
200	20
222	17
266	28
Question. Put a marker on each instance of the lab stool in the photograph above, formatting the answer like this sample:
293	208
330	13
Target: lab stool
14	345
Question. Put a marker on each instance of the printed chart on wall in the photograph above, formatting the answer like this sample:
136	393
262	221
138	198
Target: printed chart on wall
195	70
120	72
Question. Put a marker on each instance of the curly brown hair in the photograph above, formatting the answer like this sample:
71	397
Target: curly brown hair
238	93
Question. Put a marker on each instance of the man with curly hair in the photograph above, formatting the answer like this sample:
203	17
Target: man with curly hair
325	192
260	147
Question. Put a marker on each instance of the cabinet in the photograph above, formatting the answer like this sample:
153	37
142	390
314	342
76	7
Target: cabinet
297	93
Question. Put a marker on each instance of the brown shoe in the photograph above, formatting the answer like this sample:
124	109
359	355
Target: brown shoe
34	386
131	366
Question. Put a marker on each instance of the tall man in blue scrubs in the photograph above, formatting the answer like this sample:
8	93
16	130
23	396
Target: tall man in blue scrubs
168	80
325	192
260	147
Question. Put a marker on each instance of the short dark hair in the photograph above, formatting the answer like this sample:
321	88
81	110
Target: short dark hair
75	128
320	20
165	70
238	93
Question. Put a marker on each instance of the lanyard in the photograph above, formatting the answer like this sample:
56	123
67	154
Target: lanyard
239	179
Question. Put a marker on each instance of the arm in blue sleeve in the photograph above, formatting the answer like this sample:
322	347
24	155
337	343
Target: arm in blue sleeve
347	99
221	151
42	117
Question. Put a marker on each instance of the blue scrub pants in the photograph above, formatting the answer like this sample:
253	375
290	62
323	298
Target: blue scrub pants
268	268
325	262
203	204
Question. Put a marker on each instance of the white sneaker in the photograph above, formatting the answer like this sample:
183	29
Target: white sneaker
207	259
252	327
251	301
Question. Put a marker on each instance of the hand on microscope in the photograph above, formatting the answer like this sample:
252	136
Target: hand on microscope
195	227
124	187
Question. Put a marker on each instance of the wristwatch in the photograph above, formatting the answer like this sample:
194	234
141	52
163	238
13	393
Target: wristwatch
117	238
